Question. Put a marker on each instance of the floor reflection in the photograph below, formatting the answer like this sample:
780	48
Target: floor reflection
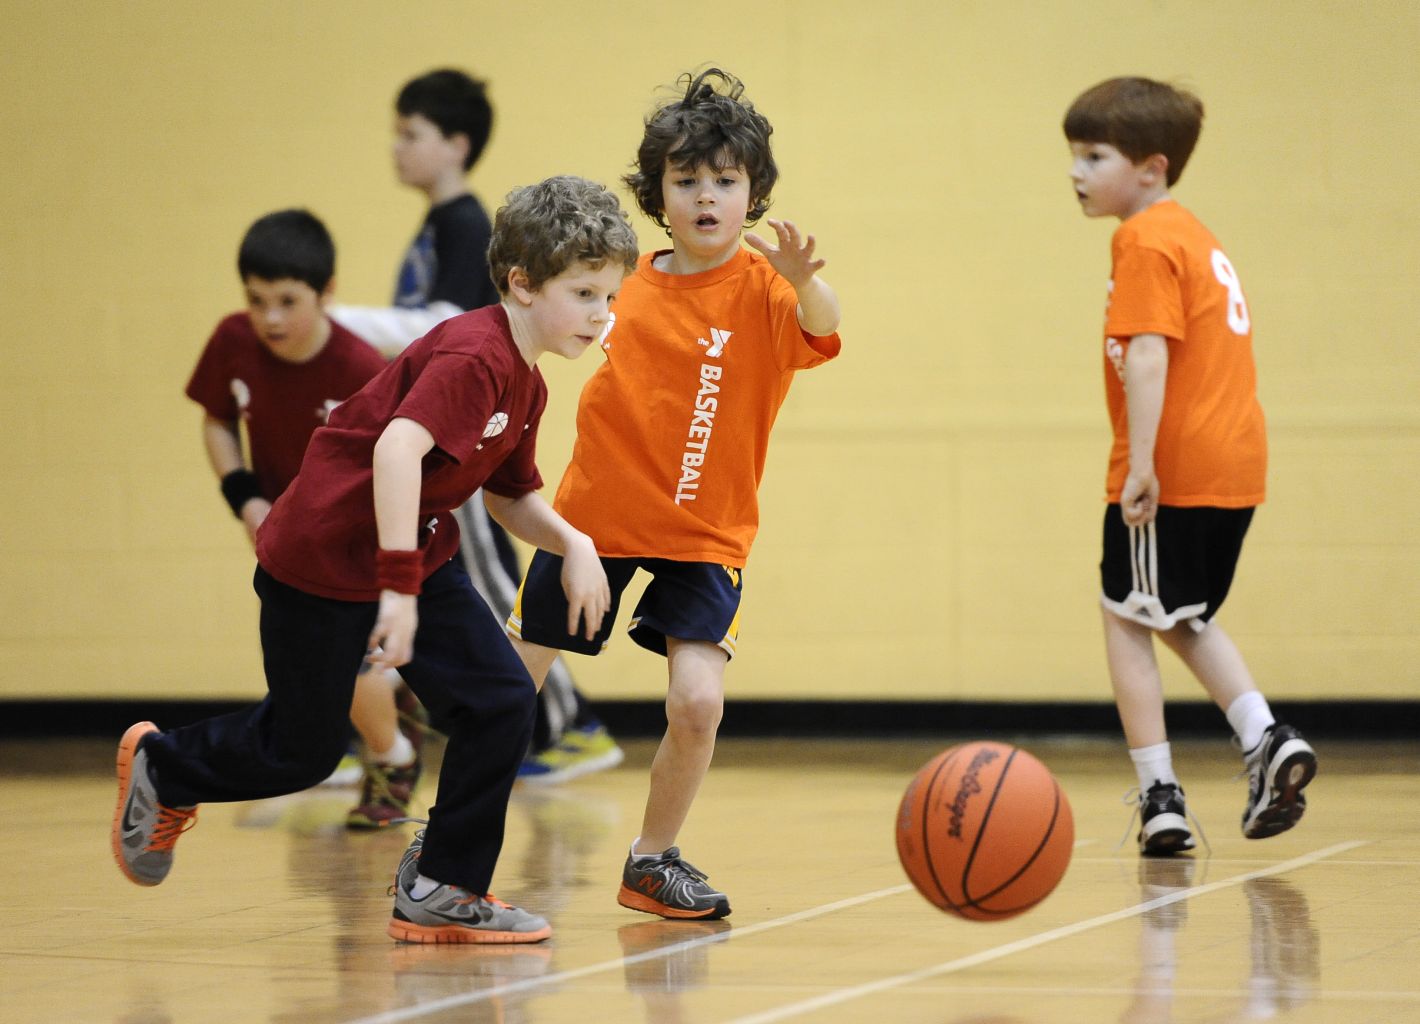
1284	946
666	959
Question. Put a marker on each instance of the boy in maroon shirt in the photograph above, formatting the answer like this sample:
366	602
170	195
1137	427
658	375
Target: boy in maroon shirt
354	559
279	368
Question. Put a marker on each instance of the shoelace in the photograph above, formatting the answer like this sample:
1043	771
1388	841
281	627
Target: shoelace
1131	798
687	867
419	838
172	823
377	784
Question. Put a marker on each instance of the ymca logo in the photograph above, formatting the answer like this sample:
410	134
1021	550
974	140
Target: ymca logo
718	340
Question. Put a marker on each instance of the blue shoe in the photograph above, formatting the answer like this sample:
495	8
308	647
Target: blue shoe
581	752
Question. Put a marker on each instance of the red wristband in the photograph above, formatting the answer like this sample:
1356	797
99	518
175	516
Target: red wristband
400	571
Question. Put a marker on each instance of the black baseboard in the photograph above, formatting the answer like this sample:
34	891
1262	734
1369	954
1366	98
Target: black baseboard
1363	719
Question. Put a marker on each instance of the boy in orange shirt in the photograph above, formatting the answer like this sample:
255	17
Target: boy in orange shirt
672	432
1189	460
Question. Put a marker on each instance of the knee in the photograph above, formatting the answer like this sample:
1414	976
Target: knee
697	712
311	763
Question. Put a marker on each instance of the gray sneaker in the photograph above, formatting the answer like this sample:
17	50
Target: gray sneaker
450	914
144	830
1277	770
670	887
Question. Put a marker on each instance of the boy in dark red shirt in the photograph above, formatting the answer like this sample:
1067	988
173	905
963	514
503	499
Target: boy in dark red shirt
355	556
278	369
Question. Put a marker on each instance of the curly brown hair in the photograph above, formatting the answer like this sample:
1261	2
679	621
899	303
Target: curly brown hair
548	227
711	124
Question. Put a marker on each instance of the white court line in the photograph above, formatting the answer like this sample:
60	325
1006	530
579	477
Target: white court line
467	999
986	956
737	932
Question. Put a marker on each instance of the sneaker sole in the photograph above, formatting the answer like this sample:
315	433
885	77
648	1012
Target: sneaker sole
1165	835
458	934
360	823
633	900
610	759
1284	810
127	749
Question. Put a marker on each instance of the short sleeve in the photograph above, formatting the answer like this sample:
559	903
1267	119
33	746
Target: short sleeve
794	348
461	237
518	473
1146	294
453	398
211	383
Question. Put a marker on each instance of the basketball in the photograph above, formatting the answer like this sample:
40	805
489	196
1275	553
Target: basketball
984	831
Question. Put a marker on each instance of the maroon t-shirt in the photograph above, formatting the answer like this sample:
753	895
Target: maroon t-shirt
467	384
281	403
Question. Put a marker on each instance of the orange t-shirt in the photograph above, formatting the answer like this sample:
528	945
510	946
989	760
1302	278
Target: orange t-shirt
673	428
1170	277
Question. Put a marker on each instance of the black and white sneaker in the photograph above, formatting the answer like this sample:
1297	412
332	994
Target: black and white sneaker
1278	769
1163	821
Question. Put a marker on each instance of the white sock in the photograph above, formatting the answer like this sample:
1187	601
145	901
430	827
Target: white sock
1153	764
1250	716
638	857
400	755
423	886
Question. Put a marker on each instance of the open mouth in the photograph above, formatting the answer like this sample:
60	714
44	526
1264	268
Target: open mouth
706	220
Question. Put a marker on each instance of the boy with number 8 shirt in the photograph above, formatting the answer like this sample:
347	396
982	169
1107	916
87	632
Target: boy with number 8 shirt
1189	460
672	433
355	556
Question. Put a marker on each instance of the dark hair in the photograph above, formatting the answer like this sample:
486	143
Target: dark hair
547	227
706	126
1139	117
455	102
288	243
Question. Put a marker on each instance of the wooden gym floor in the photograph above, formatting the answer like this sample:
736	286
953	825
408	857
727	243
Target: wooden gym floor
275	913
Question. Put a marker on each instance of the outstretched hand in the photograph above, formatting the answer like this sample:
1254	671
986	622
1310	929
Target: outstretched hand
793	257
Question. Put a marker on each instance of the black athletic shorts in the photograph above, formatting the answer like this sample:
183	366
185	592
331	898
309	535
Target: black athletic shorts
684	600
1176	569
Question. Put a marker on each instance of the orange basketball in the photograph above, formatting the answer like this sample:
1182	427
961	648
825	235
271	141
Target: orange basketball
984	831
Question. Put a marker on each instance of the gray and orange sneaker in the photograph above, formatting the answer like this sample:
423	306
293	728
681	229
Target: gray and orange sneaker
667	886
144	829
449	914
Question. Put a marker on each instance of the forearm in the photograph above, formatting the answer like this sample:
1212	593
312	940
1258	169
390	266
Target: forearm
1146	367
223	445
397	463
818	307
530	518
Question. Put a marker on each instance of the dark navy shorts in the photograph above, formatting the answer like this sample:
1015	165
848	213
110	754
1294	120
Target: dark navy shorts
1174	570
684	600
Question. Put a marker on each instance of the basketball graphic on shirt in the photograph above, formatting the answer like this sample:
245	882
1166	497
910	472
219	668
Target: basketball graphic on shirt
497	423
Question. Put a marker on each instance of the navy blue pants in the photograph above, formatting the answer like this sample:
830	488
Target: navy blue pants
464	671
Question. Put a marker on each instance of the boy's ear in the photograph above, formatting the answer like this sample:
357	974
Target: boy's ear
520	286
1155	167
461	142
326	294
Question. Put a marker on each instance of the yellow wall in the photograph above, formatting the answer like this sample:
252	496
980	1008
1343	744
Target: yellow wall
932	504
